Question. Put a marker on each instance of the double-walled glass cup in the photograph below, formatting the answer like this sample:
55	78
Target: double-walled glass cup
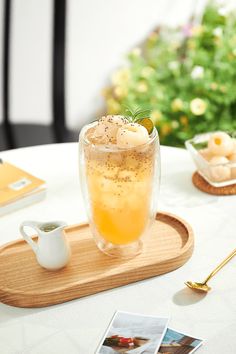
120	189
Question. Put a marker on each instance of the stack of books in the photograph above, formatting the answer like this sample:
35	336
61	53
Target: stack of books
18	188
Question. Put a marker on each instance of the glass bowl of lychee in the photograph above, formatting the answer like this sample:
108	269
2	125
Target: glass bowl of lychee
214	155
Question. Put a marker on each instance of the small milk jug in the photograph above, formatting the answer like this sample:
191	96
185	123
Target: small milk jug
52	249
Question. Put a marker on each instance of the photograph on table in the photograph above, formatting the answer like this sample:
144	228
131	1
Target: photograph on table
178	343
133	333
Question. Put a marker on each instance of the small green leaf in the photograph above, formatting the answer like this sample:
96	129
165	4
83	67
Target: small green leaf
142	113
134	114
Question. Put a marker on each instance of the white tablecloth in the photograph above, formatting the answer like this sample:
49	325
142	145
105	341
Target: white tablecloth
77	326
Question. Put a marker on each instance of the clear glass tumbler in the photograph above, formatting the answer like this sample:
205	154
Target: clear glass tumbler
120	189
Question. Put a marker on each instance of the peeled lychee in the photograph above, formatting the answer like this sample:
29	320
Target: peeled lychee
220	144
131	135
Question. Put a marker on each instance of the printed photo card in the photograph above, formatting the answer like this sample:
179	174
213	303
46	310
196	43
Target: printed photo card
133	333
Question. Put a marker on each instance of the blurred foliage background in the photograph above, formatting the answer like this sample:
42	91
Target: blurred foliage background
185	76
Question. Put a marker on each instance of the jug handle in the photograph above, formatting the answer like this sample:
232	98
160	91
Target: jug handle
28	239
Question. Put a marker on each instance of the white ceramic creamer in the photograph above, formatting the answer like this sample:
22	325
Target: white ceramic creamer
52	249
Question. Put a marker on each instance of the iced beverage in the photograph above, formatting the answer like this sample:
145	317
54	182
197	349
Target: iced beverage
120	181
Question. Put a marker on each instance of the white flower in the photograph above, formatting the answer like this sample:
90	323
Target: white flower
223	11
197	72
218	32
175	124
173	65
177	105
198	106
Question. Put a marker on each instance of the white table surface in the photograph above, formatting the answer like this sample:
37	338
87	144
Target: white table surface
77	326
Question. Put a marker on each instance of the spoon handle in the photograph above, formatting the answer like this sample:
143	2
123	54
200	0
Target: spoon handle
221	265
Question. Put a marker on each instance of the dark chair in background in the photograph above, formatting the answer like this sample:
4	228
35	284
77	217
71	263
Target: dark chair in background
19	135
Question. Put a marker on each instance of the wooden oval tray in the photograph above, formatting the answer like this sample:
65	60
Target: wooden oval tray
23	283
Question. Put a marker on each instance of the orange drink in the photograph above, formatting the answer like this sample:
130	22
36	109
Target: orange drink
119	185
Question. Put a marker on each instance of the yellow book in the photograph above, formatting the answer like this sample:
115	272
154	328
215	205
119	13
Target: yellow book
17	185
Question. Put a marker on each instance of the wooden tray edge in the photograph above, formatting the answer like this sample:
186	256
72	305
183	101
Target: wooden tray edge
71	292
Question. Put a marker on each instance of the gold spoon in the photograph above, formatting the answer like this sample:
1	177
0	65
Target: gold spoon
203	286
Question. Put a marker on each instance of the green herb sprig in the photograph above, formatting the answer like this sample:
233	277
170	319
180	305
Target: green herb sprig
139	116
132	115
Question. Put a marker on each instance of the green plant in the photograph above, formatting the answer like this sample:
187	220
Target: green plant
185	76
